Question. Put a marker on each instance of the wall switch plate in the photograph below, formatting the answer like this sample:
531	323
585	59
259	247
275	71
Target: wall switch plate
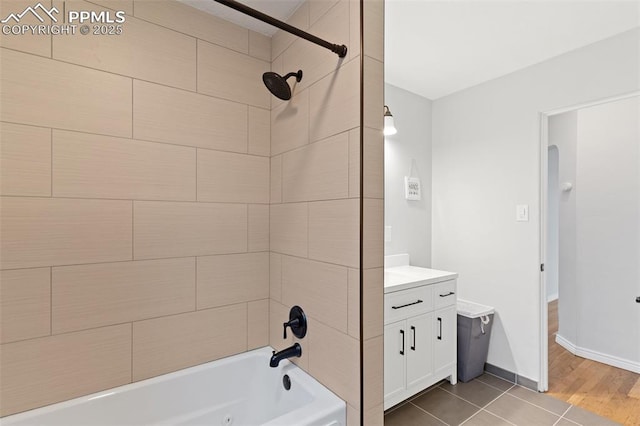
412	188
522	213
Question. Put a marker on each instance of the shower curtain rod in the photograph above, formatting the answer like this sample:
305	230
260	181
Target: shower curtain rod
340	50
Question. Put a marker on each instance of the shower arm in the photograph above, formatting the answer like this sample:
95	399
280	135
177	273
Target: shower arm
340	50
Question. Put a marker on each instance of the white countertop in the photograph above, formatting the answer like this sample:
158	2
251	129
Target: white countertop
403	277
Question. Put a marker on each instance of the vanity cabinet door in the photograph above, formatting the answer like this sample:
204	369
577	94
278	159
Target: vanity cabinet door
445	340
419	342
395	350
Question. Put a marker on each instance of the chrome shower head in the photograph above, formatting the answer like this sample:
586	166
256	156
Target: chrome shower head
278	85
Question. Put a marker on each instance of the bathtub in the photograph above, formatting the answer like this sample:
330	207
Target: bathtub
241	390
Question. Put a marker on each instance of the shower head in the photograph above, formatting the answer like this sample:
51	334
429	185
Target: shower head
278	85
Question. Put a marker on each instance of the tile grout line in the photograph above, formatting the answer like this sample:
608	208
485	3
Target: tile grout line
561	417
489	403
535	405
297	148
426	412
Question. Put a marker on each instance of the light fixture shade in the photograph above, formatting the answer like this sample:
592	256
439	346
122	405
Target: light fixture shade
389	125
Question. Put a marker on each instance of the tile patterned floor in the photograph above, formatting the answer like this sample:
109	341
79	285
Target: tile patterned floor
488	401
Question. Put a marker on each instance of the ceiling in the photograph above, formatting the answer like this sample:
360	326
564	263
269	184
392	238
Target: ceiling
279	9
435	48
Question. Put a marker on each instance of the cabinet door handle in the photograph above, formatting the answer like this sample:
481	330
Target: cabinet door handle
448	294
413	347
402	350
440	328
407	304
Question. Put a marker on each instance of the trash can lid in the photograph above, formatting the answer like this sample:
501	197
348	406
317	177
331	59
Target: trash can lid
473	310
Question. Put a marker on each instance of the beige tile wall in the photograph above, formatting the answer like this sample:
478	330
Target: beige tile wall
316	149
372	288
134	176
165	211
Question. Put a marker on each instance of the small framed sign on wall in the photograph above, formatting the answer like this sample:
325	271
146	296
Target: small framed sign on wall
412	188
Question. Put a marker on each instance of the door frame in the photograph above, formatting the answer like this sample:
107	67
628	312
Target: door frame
543	383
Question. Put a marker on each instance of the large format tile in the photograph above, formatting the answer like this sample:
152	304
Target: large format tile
373	96
90	296
230	75
495	381
25	160
25	311
290	123
28	42
228	177
260	46
289	228
235	278
124	5
76	98
586	418
170	343
188	20
334	360
51	369
175	229
165	114
474	391
484	418
316	62
259	131
410	415
143	50
373	368
334	102
258	227
319	171
373	238
334	232
320	288
541	400
92	166
46	231
281	40
373	301
445	406
520	412
258	324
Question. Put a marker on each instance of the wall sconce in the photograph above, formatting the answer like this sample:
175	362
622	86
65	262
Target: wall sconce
389	125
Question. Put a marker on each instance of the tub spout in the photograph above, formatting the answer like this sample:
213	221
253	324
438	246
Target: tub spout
290	352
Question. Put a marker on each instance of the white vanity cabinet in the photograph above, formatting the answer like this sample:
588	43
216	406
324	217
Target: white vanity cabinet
420	331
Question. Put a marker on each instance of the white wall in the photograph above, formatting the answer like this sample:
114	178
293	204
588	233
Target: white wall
410	220
563	133
486	159
608	229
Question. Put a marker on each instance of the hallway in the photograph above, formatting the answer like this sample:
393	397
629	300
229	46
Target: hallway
608	391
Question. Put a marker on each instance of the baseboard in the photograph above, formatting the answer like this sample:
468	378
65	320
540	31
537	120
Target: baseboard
552	297
510	376
614	361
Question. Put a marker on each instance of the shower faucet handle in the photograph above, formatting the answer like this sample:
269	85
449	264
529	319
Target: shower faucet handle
297	322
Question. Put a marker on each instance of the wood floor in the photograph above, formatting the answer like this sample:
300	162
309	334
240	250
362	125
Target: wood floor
608	391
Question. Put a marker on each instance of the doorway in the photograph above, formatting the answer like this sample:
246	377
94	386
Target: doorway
591	245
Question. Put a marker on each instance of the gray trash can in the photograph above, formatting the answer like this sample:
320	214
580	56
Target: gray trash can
474	331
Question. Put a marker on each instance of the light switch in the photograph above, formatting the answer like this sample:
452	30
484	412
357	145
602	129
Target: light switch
522	213
387	234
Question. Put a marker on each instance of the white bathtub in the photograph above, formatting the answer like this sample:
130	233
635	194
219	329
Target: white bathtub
241	390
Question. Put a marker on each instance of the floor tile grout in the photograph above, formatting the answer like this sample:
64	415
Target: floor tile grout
538	406
425	411
484	408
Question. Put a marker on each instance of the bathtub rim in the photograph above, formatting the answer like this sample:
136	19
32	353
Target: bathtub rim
323	403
